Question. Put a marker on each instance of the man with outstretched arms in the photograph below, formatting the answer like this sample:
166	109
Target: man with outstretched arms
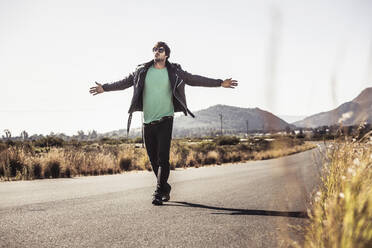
159	91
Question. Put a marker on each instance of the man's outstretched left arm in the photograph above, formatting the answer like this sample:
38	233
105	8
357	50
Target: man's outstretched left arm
196	80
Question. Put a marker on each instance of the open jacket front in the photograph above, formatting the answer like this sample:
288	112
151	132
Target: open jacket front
178	78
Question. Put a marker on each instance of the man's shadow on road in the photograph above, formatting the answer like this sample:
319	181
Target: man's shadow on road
235	211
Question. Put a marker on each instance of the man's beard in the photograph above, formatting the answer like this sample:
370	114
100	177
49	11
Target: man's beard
157	60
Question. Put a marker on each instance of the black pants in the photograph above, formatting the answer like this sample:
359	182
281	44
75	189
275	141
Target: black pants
158	140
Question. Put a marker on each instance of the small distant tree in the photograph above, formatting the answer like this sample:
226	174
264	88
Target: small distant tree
8	134
24	135
301	135
287	129
80	135
93	134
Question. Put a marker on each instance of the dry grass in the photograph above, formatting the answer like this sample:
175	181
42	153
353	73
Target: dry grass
280	152
17	163
341	213
25	163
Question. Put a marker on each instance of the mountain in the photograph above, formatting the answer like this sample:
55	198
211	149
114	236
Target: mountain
234	120
350	113
208	122
291	118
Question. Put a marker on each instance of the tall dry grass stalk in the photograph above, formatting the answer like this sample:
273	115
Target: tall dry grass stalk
341	213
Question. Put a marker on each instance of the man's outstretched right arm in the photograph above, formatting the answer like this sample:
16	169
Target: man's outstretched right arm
119	85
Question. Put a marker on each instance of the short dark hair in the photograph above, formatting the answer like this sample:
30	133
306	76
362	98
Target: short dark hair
166	47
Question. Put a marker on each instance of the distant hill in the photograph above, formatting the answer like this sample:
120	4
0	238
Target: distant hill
207	122
350	113
234	120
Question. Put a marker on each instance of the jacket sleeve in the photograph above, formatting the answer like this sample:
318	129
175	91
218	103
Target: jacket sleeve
196	80
120	85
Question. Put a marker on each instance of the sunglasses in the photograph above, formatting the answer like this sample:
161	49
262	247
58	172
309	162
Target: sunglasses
160	49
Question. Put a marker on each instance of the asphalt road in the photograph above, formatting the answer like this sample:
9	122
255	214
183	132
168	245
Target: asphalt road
254	204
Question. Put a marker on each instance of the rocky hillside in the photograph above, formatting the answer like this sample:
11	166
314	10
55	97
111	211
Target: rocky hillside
234	119
350	113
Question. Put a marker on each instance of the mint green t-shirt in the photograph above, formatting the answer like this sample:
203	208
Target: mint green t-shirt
157	95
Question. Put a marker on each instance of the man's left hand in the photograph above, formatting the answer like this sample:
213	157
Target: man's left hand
229	83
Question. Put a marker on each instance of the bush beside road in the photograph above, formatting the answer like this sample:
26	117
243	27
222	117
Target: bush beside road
341	209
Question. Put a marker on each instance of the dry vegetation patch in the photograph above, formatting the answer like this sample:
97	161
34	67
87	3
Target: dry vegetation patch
341	212
24	161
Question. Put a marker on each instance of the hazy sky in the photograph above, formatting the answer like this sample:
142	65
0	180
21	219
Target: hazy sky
290	57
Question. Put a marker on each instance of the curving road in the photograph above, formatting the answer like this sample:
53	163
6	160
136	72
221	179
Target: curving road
254	204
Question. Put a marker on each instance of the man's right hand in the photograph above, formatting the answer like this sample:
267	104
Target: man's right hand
97	89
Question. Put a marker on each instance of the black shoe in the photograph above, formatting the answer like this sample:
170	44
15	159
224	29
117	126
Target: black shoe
166	193
165	197
157	199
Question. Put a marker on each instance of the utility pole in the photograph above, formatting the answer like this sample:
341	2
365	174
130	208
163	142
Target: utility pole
221	123
247	122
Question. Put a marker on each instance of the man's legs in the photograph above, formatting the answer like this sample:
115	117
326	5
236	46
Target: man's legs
151	143
164	136
158	140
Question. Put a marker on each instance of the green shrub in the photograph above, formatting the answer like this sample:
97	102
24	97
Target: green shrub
52	169
110	141
125	163
204	147
75	143
15	165
55	168
225	158
124	140
244	147
211	158
36	170
46	172
10	143
227	140
49	141
261	145
138	140
66	172
236	157
28	147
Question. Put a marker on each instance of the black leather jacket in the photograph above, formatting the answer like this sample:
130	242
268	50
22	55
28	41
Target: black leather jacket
178	78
